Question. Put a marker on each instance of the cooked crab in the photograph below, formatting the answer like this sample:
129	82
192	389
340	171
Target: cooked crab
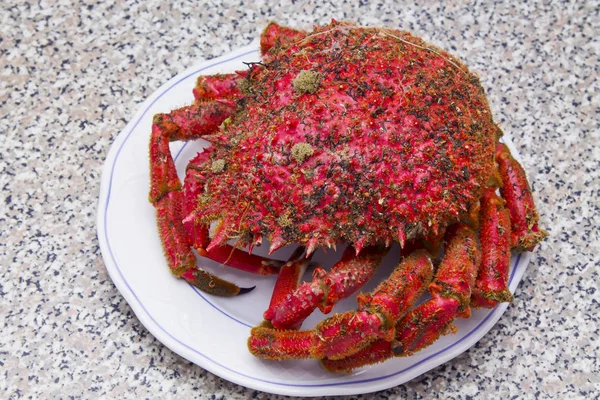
346	134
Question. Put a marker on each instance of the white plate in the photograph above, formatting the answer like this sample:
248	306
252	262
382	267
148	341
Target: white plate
212	331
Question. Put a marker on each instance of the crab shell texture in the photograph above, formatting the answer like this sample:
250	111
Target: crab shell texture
349	134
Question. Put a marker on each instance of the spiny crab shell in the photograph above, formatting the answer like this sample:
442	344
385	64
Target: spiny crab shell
350	134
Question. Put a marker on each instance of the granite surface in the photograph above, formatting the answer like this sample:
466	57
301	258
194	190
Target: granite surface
72	74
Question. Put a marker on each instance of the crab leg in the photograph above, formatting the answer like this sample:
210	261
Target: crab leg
180	258
219	86
378	351
326	289
185	123
450	291
526	233
289	277
165	189
275	34
491	286
345	334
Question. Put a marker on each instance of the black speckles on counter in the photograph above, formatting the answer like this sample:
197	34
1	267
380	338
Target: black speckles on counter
73	74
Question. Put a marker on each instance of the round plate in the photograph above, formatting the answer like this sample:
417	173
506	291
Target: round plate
212	331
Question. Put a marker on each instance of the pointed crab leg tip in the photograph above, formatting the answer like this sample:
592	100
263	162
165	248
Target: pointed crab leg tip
211	284
244	290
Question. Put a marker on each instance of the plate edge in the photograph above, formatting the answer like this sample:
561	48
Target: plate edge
147	321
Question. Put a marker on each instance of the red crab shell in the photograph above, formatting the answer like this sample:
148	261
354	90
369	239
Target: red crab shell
363	135
346	133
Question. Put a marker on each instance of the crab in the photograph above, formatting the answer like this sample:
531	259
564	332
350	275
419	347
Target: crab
349	135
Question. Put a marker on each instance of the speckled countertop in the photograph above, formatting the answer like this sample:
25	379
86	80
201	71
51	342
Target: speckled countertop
72	74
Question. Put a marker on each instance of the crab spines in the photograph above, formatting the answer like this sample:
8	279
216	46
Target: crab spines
257	240
277	35
401	237
197	229
524	219
360	244
221	234
491	286
277	242
312	245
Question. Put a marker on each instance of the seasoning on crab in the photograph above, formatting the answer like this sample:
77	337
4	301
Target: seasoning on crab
346	134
